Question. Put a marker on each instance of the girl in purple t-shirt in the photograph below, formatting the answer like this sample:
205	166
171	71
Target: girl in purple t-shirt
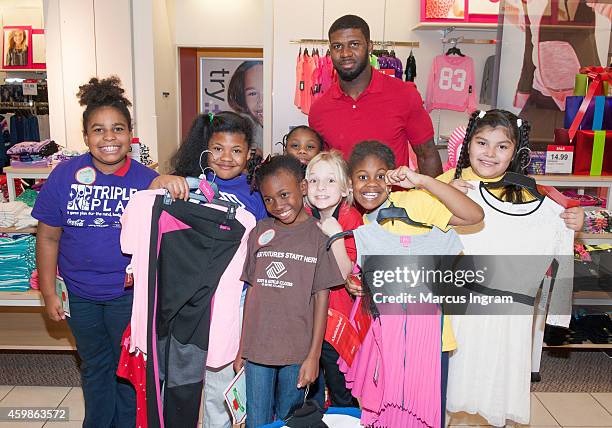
78	210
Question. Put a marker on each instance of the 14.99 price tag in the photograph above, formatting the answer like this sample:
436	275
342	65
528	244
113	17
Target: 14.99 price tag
559	159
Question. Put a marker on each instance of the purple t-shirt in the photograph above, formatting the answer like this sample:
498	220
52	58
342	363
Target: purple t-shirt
238	190
87	205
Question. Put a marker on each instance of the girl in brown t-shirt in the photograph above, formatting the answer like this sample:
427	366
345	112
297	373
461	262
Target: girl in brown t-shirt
290	273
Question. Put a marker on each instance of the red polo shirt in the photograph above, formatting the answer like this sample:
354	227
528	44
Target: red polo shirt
389	110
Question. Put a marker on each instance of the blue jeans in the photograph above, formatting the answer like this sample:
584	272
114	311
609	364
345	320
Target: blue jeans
98	327
271	390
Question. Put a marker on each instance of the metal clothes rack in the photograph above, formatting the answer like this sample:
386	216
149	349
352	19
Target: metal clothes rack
409	44
456	40
32	106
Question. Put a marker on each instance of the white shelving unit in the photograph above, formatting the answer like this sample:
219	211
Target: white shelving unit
25	324
581	298
15	173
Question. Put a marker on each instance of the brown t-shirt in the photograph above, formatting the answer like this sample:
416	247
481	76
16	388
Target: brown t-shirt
285	266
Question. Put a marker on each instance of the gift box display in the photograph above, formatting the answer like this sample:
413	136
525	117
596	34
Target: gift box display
593	147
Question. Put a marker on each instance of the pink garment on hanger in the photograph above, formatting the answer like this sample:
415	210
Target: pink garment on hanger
316	77
224	335
393	374
327	73
451	84
299	80
135	240
306	99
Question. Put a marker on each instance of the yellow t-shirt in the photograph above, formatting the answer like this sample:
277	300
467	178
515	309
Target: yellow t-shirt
424	208
468	174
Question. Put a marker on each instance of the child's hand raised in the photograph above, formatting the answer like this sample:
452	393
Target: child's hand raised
329	226
309	371
175	185
403	177
461	185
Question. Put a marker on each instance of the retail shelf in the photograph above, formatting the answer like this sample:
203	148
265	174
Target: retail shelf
13	173
593	238
593	298
570	180
456	25
21	298
14	230
576	180
581	346
31	329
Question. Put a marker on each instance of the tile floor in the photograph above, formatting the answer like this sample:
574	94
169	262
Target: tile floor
548	409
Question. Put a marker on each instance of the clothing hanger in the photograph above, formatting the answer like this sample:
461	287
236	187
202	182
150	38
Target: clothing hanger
397	213
454	50
516	179
384	214
337	236
209	191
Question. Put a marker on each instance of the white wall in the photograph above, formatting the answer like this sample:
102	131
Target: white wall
166	80
81	44
210	23
388	20
144	76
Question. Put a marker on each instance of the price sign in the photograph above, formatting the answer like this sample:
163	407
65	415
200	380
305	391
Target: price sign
29	88
559	159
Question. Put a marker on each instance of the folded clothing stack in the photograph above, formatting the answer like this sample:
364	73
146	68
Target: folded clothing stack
17	261
16	214
32	154
64	155
28	196
598	221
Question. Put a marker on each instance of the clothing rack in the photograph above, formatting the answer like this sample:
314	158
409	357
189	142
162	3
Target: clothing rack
32	106
456	40
374	42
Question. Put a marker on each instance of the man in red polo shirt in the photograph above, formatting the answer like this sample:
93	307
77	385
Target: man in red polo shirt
367	105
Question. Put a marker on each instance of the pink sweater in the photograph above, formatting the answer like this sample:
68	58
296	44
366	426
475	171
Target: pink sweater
451	84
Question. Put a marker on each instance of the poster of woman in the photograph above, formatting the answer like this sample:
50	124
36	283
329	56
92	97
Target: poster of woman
17	52
234	84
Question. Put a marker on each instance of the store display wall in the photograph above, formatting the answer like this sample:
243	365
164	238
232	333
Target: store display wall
209	23
22	12
388	20
513	48
81	44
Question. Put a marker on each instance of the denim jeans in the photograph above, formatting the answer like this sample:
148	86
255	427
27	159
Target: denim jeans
271	390
98	327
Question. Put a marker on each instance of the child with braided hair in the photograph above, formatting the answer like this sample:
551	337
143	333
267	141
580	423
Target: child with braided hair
78	212
230	160
496	142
